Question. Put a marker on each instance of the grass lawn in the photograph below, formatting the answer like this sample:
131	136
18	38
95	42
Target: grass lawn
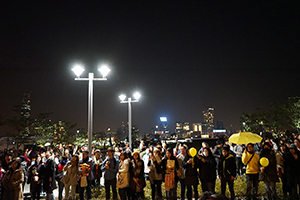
239	188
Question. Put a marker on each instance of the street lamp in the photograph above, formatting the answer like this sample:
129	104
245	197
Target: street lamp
129	101
104	70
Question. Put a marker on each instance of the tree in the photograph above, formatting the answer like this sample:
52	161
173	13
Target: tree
293	108
43	128
99	135
63	133
47	131
21	128
81	137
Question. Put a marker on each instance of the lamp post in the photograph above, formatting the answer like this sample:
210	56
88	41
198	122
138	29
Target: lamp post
129	101
104	70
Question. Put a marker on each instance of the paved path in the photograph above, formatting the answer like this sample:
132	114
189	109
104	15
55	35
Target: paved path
27	191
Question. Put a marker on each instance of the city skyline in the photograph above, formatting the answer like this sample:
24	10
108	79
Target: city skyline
181	56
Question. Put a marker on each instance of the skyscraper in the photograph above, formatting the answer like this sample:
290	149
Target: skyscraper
25	107
208	116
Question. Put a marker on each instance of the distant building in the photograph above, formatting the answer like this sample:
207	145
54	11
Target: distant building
197	127
219	125
25	107
208	116
178	127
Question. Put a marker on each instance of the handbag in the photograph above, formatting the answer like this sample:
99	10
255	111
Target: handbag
178	172
83	181
123	180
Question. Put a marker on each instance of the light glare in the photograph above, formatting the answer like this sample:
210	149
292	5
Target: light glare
122	97
137	95
104	70
163	119
78	69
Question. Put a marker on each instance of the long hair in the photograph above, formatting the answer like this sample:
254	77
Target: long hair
209	151
125	155
77	160
171	152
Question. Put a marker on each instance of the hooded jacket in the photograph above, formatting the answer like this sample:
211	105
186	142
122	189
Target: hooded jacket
253	166
90	162
227	166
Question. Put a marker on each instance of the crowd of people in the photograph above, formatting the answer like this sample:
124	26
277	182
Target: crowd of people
126	171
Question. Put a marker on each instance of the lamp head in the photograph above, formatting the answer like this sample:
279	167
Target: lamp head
104	70
122	97
137	95
78	69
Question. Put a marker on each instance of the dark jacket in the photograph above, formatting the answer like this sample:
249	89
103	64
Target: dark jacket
227	166
90	162
137	171
191	173
217	152
208	169
49	173
270	172
292	169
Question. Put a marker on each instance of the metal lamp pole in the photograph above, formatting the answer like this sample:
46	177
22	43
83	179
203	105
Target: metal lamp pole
90	99
129	101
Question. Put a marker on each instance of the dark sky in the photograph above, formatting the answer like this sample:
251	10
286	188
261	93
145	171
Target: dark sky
183	56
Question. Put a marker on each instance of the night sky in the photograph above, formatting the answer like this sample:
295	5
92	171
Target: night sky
183	56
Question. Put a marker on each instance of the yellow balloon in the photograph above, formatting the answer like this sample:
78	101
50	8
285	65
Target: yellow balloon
264	161
193	152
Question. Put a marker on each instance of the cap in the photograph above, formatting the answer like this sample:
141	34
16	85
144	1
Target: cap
110	149
293	146
136	151
226	148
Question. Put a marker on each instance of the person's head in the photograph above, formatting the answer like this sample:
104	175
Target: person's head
48	154
15	164
110	152
123	155
204	144
75	158
297	142
164	145
219	143
156	152
293	148
225	150
136	154
206	151
85	154
9	156
66	151
182	150
250	147
97	153
283	148
267	145
169	153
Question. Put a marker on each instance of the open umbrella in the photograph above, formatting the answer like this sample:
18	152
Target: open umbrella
244	138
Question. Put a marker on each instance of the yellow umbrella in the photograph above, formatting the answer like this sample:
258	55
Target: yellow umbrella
244	138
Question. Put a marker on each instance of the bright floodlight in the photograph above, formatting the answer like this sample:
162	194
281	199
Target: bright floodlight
137	95
122	97
163	119
104	70
78	69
